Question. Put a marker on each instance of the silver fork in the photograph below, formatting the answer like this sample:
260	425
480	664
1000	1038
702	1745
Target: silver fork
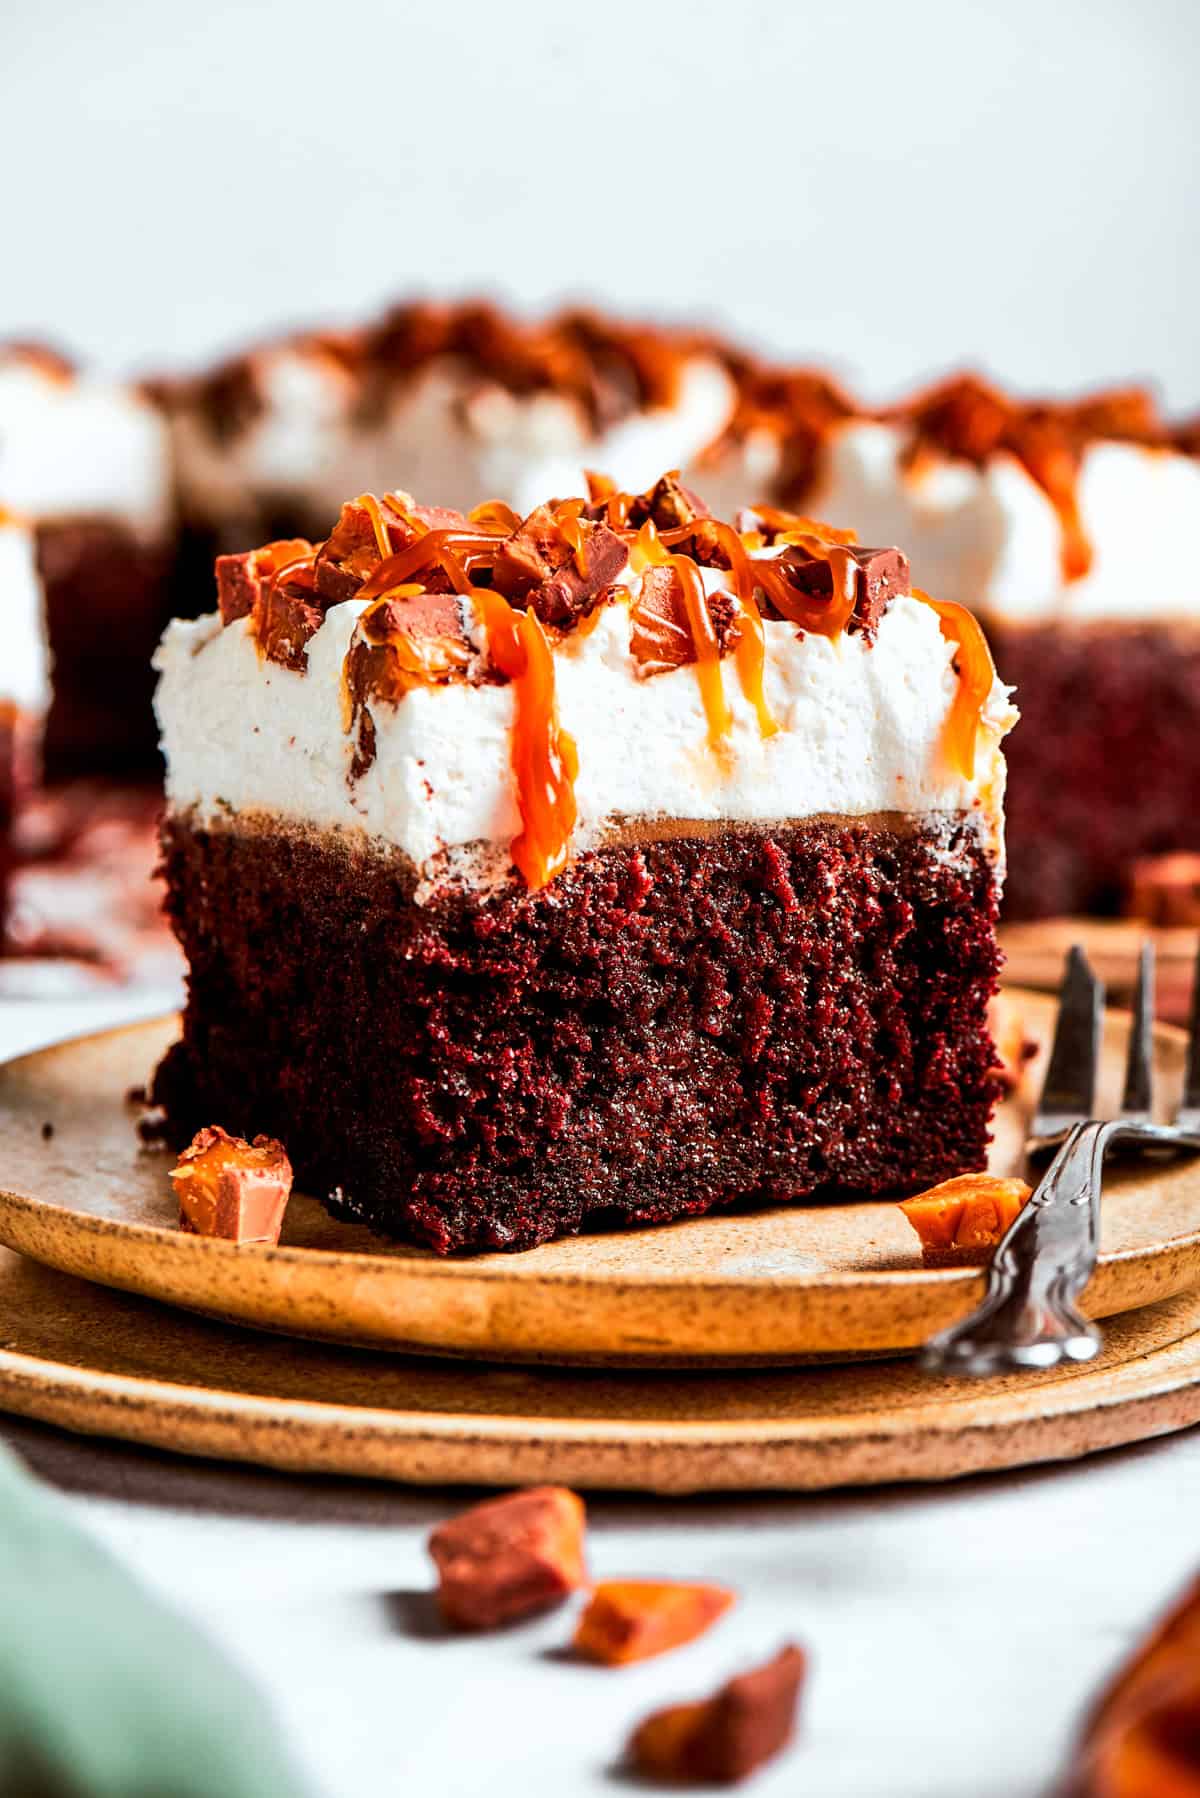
1028	1317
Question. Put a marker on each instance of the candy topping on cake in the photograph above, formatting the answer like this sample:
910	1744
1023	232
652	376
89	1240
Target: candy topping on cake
488	599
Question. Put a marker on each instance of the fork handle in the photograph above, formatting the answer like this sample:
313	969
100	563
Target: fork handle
1028	1317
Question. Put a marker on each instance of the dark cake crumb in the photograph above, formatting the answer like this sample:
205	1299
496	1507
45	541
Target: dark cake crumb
668	1029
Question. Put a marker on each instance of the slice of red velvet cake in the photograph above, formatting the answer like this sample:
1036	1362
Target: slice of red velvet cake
612	865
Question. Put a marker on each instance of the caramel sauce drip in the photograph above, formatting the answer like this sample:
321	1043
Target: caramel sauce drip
651	551
976	674
453	551
374	512
969	419
750	653
544	758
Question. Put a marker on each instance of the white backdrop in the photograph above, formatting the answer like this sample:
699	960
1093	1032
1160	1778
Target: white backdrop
893	187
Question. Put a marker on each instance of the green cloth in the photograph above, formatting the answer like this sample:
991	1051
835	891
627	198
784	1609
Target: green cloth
104	1691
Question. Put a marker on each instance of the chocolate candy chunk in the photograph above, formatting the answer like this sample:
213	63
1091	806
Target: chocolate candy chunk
538	565
414	640
723	1738
660	631
232	1188
242	580
509	1557
881	575
668	505
569	595
289	612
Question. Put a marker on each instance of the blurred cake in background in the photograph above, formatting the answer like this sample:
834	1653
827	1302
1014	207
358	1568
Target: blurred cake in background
24	688
463	401
1058	522
86	460
1061	524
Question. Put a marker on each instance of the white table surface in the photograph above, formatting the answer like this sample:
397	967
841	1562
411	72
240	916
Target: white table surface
955	1631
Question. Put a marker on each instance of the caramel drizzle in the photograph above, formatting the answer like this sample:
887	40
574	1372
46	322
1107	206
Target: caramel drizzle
544	758
650	551
545	762
976	676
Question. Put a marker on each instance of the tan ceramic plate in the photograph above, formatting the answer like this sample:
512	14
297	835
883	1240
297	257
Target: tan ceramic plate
107	1364
771	1286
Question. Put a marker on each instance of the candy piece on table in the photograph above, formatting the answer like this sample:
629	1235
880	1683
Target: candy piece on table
231	1188
961	1221
631	1620
722	1739
510	1557
1142	1740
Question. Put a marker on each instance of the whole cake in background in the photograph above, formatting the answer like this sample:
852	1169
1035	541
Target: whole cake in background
1052	520
1059	522
613	863
86	460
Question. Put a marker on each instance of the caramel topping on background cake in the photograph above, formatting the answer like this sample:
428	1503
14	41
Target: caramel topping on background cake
966	417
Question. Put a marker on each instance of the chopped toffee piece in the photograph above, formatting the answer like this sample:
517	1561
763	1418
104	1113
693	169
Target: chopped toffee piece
877	576
242	580
962	1221
632	1620
509	1557
723	1739
231	1188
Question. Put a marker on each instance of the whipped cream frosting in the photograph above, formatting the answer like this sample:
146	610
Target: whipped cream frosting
445	430
74	446
861	731
24	661
990	538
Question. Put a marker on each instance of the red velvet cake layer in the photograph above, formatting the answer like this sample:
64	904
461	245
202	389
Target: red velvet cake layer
108	597
668	1028
1106	765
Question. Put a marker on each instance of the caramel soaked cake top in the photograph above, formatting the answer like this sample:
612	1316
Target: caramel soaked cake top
490	693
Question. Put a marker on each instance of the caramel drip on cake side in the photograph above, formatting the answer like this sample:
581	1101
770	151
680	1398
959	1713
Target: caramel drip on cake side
544	758
976	675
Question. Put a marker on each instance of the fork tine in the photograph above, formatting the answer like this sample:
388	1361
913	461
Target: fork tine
1191	1084
1137	1101
1068	1095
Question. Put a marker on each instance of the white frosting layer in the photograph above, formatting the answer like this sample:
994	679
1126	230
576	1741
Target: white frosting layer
24	662
75	446
446	432
990	538
861	731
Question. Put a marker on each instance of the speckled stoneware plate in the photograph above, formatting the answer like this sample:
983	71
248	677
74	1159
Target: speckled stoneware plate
109	1364
769	1286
